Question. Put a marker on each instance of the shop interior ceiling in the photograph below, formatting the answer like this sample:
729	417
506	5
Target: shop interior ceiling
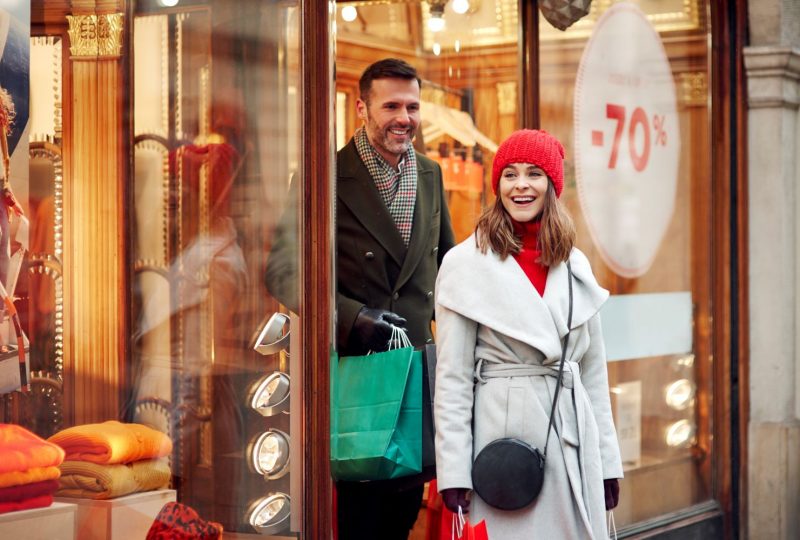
404	23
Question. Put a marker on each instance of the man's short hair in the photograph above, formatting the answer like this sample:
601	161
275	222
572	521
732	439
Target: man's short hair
388	68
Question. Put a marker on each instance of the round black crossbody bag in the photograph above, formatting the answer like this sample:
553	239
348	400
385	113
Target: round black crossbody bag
508	474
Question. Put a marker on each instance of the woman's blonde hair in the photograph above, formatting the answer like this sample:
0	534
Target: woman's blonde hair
495	231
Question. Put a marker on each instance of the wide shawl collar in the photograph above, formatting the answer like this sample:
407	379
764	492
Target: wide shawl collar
496	293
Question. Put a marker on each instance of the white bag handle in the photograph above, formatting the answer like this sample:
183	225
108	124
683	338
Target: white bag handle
611	525
399	338
458	524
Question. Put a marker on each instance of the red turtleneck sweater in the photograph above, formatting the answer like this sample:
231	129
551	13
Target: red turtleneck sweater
528	255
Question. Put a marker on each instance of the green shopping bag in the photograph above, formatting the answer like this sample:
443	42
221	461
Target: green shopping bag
376	415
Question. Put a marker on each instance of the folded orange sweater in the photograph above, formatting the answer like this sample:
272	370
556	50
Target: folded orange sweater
36	474
21	450
112	442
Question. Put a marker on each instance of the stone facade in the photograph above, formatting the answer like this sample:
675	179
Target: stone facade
772	64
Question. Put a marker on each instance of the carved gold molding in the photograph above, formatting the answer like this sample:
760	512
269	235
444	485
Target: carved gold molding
507	97
95	36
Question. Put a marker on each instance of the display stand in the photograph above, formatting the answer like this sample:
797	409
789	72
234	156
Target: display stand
123	518
56	522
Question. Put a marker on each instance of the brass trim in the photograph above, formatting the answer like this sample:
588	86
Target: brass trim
95	36
693	89
507	97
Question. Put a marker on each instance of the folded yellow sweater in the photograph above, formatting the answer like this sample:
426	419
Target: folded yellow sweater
35	474
93	481
112	442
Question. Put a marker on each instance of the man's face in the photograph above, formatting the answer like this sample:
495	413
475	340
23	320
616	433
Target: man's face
391	117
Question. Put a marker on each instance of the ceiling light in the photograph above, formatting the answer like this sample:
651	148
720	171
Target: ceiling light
437	49
270	395
274	335
270	514
680	434
460	6
457	45
269	454
349	13
436	21
679	394
168	3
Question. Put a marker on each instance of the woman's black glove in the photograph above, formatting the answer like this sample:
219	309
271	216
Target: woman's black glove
455	497
612	493
373	327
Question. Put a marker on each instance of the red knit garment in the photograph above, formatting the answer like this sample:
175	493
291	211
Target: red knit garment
528	255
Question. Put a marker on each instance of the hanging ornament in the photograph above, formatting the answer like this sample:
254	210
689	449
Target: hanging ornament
564	13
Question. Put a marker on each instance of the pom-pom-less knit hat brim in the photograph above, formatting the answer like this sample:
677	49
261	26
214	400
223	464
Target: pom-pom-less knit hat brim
534	146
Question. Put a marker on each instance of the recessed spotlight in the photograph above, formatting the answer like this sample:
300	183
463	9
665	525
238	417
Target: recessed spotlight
274	335
270	514
270	395
680	394
680	434
168	3
269	454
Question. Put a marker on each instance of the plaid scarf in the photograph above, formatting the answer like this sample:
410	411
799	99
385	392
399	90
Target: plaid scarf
398	187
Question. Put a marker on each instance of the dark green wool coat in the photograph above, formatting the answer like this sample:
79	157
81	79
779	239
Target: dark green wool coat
374	268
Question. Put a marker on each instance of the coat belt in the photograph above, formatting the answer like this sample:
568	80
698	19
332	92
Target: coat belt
484	370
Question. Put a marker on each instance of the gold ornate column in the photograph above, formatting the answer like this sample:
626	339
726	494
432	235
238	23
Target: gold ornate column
95	285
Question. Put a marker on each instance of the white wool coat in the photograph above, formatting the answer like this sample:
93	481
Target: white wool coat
489	317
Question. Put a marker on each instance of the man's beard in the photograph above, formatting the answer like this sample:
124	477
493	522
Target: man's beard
380	138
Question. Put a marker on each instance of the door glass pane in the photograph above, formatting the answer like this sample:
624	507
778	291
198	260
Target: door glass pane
626	90
217	98
469	63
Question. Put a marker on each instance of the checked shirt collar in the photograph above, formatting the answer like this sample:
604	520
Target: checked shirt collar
398	187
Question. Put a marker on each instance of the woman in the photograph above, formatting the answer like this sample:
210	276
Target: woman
502	303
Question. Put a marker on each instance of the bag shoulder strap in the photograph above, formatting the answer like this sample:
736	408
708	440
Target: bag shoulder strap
561	364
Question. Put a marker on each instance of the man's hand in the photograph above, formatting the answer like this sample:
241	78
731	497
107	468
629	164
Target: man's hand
611	487
373	327
455	497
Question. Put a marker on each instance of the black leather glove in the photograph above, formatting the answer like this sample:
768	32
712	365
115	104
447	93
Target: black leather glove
373	327
455	497
611	486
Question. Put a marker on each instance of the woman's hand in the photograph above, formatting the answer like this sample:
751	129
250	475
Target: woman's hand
455	497
611	486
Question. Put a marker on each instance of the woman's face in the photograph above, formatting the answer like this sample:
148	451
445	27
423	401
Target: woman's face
522	189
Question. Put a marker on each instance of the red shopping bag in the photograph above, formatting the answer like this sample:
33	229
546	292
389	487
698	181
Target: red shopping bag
474	532
464	530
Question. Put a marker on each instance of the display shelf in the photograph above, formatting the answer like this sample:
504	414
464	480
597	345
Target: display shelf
56	522
123	518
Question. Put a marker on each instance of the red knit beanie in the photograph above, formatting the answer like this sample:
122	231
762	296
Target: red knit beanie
534	146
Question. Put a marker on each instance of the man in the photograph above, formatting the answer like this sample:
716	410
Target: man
392	231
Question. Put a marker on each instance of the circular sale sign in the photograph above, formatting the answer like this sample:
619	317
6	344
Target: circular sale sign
627	139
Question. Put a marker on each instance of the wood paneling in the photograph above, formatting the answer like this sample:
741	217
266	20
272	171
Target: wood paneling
317	267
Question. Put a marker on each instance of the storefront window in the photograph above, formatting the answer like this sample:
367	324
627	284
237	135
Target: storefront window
626	90
214	353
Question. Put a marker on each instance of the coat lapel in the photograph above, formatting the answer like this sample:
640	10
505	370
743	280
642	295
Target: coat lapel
588	296
420	234
356	189
497	293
